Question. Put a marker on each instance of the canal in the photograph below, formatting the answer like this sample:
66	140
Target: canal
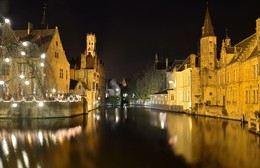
128	138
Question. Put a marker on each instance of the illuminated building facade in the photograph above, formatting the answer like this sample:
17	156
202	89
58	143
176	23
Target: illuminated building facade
226	87
91	73
54	63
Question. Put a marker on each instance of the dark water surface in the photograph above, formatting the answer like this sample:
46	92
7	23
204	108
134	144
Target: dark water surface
128	138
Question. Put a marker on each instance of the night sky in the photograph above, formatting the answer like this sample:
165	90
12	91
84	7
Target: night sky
130	32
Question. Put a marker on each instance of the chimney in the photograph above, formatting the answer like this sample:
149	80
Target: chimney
30	27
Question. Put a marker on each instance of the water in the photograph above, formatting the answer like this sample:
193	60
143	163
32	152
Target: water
128	138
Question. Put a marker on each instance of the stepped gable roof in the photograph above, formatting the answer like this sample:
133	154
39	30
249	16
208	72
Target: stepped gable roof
42	37
207	29
242	46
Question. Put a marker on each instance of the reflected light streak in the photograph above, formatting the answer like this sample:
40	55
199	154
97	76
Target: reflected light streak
5	147
26	159
117	115
162	118
14	142
29	138
1	163
40	137
19	163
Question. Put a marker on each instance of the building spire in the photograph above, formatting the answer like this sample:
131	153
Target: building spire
207	29
44	22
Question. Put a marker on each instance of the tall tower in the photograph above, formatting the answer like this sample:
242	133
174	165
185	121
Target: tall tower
208	58
88	58
91	44
208	44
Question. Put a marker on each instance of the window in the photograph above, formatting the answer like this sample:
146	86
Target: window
255	71
57	43
235	75
210	77
66	74
61	73
247	96
255	96
172	96
228	77
79	86
210	93
56	55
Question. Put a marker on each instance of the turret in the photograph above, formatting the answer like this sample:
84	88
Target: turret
208	44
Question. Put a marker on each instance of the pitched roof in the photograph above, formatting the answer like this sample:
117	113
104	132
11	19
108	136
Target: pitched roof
242	46
42	38
207	29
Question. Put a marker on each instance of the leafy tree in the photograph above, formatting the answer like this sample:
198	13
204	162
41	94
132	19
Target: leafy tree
146	83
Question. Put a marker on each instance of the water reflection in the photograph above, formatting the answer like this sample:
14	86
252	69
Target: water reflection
127	137
210	142
45	143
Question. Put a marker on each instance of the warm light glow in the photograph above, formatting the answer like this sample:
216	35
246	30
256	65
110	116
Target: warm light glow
14	105
43	55
25	43
42	64
22	76
7	60
53	90
23	53
40	104
2	82
27	82
7	21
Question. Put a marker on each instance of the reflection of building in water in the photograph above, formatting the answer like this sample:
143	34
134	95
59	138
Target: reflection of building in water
208	141
17	146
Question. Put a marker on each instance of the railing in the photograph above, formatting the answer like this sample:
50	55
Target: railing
254	125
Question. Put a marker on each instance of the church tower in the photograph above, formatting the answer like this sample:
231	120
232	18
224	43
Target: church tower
88	58
208	58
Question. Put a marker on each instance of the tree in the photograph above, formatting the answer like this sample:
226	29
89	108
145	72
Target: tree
146	83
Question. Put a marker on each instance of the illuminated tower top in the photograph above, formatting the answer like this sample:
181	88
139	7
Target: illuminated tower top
91	44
